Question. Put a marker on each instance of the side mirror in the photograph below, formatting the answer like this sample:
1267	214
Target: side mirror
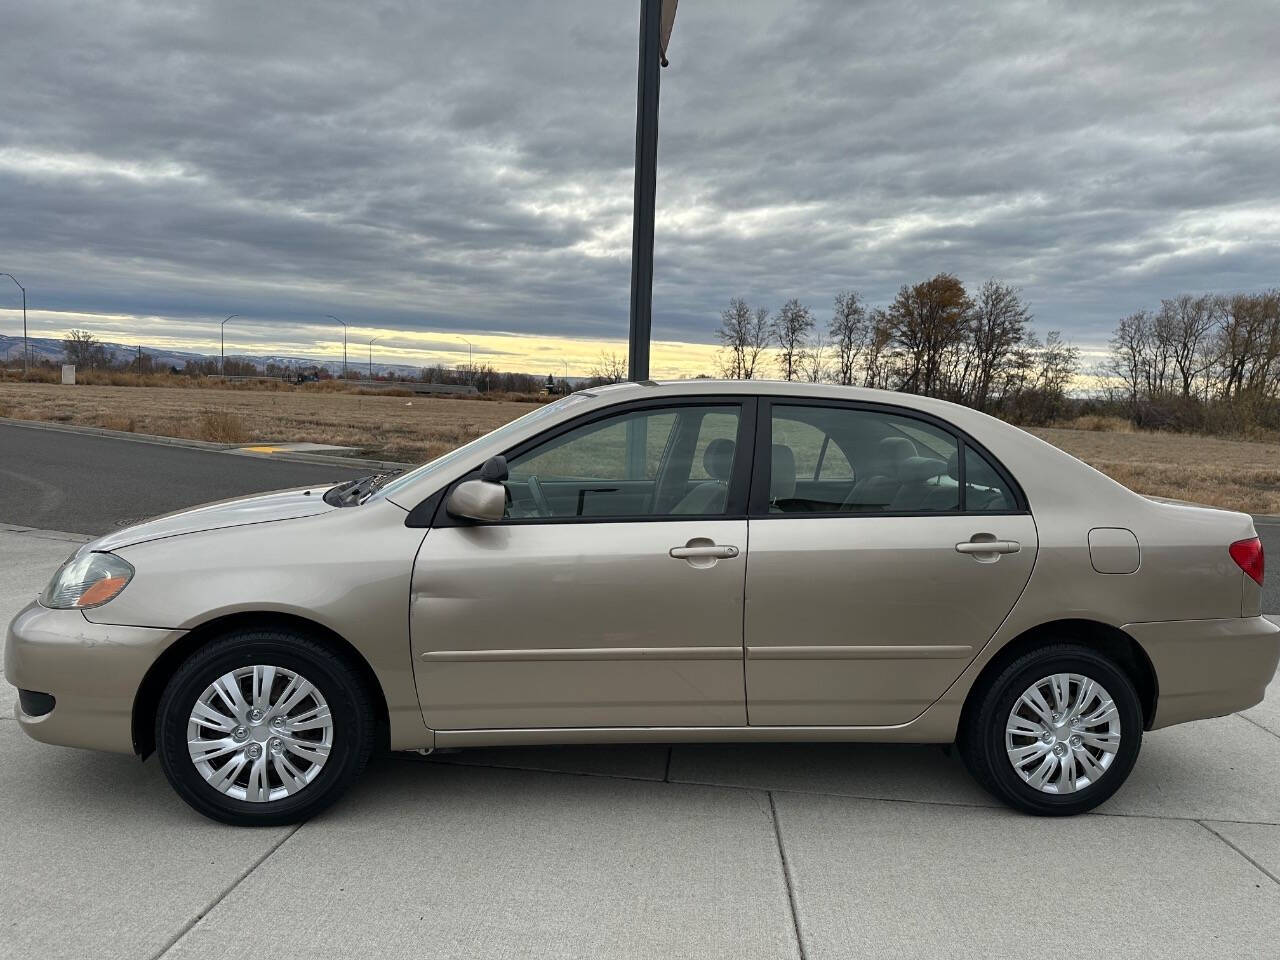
494	470
483	500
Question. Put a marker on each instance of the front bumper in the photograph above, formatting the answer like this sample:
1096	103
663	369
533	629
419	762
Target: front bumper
92	671
1208	668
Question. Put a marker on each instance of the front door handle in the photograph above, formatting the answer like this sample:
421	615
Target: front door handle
705	551
988	546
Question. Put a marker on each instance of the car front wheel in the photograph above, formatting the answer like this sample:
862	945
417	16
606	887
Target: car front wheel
263	727
1056	732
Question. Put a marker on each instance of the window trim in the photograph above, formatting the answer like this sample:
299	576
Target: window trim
739	480
760	476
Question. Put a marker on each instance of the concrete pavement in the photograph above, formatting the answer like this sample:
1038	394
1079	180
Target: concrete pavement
813	850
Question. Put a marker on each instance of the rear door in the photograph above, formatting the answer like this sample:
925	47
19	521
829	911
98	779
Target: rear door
863	609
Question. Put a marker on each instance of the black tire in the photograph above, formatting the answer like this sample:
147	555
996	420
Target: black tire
354	724
981	738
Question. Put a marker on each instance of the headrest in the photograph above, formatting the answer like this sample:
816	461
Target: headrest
895	449
717	459
953	465
782	476
920	469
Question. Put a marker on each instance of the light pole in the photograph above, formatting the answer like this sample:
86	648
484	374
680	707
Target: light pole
222	368
344	343
371	343
471	370
26	348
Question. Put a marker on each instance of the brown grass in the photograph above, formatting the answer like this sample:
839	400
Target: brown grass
1238	474
222	426
410	429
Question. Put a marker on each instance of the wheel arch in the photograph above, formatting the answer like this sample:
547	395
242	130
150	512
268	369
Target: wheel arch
1108	640
147	699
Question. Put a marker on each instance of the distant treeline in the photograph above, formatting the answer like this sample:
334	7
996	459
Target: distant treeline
1208	363
935	338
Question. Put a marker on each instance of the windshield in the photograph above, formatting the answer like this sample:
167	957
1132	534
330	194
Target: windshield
466	450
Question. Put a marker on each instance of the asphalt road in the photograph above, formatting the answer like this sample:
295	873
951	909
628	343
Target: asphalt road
1269	532
78	483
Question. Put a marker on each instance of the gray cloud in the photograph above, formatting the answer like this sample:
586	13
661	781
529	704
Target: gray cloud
468	167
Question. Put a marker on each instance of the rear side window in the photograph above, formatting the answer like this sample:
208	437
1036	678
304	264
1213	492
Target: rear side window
984	486
868	461
859	461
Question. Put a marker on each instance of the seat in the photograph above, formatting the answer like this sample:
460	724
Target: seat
917	492
877	489
708	497
782	476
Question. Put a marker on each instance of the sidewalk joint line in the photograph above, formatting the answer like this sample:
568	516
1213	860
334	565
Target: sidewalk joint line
1257	724
1274	879
786	874
866	798
194	921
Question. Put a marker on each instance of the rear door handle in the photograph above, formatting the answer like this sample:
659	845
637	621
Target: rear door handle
988	546
705	552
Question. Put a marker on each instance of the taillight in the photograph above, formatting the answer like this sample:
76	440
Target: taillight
1248	557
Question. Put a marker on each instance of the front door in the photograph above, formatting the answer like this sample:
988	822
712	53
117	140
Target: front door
876	577
612	593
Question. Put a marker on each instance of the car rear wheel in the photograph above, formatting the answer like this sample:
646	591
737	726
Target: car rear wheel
1056	732
263	727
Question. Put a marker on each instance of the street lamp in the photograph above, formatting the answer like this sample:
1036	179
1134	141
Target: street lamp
371	343
26	348
471	370
222	369
344	343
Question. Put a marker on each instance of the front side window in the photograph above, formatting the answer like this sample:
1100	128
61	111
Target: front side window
665	461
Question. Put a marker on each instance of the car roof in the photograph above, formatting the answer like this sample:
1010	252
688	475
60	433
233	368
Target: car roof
622	392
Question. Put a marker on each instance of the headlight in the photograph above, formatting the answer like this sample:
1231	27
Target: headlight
89	580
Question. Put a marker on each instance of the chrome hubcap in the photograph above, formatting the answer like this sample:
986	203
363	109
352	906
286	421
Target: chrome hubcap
1063	733
260	733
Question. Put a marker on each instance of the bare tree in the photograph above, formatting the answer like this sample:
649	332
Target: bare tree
928	324
880	357
849	332
609	368
814	363
1189	322
998	325
84	350
791	328
1129	357
744	335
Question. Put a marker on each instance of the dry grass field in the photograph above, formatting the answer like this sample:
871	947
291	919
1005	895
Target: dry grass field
1238	474
408	429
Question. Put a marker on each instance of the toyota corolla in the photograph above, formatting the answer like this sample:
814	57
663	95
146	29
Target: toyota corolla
695	561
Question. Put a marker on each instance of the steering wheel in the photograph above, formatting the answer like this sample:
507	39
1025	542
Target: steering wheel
540	500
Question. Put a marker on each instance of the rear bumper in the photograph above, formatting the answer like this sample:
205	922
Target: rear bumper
1208	668
91	670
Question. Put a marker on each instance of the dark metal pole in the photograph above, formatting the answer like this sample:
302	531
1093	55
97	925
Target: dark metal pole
344	344
648	77
26	346
222	368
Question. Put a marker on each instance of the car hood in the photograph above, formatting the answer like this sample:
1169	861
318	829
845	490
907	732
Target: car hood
278	505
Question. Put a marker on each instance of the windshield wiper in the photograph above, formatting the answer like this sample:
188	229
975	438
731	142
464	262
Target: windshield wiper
355	491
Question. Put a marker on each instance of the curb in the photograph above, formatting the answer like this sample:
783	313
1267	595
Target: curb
205	445
45	534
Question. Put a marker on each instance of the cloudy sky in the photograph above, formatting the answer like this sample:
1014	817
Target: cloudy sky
433	170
